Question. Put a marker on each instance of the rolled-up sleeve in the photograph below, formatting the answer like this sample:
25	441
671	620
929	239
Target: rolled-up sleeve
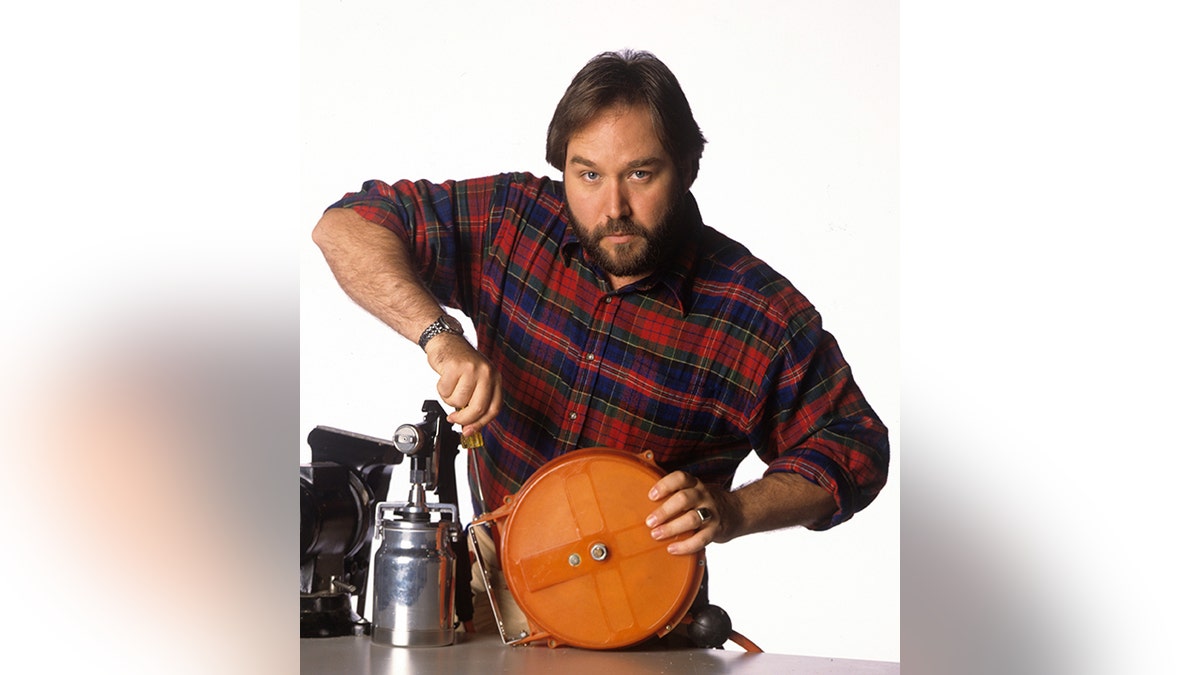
819	425
446	226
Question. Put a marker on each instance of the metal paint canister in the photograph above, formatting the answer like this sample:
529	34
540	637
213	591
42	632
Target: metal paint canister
414	576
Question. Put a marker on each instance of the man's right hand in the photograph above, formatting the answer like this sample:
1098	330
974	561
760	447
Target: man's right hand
468	381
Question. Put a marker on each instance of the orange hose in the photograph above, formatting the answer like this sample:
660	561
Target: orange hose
744	642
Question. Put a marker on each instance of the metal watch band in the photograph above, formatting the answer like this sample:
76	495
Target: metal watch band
441	325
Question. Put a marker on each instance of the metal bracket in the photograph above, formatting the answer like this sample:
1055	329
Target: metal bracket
487	586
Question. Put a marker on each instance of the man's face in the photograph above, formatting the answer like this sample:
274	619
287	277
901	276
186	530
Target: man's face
623	194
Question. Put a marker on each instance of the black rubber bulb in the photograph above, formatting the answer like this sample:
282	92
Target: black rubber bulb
710	627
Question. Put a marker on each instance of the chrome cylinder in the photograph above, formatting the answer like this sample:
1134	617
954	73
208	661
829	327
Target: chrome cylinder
414	577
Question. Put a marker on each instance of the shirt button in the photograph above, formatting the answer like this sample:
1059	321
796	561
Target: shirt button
591	357
608	300
573	415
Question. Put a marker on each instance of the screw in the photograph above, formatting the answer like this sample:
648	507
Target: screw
599	552
574	560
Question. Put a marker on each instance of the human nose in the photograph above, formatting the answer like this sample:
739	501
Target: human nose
616	203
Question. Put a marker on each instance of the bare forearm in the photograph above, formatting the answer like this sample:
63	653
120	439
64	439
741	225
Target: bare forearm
373	267
776	501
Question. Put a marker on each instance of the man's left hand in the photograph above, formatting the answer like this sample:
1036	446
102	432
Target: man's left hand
775	501
682	497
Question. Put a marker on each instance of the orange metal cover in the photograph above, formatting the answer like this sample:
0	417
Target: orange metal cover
579	559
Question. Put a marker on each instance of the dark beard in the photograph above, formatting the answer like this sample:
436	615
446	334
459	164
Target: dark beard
662	242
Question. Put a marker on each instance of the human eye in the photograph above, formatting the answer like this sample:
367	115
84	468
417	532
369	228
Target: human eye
640	174
590	176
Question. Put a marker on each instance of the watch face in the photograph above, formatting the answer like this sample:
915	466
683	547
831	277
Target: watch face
453	323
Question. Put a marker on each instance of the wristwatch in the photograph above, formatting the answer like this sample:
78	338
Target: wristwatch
444	324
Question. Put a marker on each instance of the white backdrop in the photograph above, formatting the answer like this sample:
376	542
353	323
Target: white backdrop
799	102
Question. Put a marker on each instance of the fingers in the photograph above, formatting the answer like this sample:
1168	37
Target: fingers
483	407
693	544
671	483
469	383
679	514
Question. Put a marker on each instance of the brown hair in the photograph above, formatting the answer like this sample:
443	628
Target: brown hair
629	78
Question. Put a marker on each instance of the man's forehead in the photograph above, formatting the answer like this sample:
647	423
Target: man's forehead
623	130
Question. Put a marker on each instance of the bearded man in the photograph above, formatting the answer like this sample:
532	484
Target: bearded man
608	314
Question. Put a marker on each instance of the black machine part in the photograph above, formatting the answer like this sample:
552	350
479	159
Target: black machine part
349	474
338	490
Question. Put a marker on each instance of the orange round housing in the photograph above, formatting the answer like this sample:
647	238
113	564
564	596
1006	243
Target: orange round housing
579	559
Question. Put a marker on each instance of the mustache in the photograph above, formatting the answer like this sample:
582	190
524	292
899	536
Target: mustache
623	225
